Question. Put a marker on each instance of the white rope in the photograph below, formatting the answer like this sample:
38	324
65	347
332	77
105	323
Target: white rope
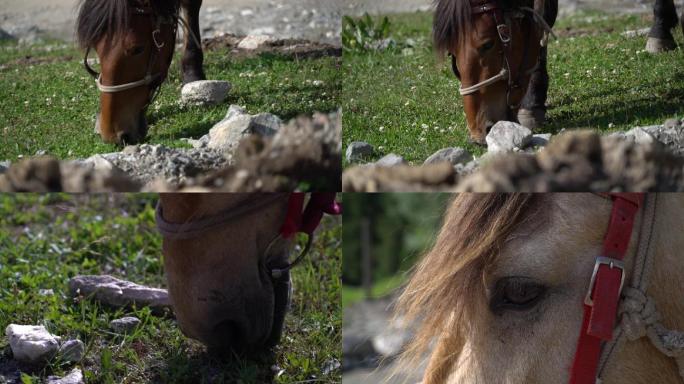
638	315
124	87
503	75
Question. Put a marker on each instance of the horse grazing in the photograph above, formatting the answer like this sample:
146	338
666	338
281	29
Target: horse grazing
135	42
226	258
514	290
498	51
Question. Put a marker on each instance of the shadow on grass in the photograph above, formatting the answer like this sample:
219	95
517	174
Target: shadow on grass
203	367
662	106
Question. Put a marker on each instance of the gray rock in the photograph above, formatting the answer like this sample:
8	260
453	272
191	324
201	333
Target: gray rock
466	169
357	150
253	42
641	135
672	124
4	35
506	136
124	324
635	33
74	377
72	351
31	343
451	155
205	92
540	140
390	160
118	293
226	135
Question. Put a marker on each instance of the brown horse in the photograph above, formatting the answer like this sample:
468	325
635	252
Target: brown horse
498	51
502	292
226	258
135	42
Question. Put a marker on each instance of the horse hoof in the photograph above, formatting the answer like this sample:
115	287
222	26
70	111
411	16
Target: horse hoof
656	45
532	119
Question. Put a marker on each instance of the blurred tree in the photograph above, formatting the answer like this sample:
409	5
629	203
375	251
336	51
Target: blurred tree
402	226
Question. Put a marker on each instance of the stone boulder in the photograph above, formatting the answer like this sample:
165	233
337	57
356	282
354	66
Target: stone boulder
452	156
205	92
32	344
506	136
118	293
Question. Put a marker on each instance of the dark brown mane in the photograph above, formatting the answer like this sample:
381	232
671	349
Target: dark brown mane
451	20
446	284
98	19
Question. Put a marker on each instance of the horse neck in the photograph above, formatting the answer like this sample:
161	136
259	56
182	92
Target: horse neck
668	264
186	206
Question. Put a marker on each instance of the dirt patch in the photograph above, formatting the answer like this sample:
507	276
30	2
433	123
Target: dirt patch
295	48
305	154
33	60
575	161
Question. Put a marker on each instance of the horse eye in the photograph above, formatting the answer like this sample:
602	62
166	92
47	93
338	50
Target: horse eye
516	293
486	46
137	50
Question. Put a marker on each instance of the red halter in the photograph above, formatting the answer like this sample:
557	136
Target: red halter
306	220
603	295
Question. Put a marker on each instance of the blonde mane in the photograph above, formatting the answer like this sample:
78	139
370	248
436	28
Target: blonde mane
445	286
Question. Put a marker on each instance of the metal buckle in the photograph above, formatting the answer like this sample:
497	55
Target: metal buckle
612	263
156	42
504	33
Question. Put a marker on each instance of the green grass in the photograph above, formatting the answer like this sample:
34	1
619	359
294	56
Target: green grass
51	106
405	101
46	239
382	287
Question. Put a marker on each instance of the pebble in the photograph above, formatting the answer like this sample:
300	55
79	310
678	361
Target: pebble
72	351
31	343
74	377
253	42
506	136
124	324
357	150
390	160
205	92
453	156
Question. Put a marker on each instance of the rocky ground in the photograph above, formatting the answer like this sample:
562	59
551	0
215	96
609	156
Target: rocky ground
642	159
318	20
242	153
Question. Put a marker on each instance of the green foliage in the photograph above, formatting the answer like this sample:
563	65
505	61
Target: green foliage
359	34
47	239
402	226
406	101
58	116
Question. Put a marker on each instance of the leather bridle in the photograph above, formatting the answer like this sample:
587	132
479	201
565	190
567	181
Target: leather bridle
152	80
299	219
609	300
502	22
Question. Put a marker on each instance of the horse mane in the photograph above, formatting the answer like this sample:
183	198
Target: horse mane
98	19
447	284
451	20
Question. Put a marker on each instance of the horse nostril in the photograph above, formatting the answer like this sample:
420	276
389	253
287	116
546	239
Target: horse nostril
124	138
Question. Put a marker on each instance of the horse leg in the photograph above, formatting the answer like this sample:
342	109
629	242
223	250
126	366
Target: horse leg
660	38
193	58
532	112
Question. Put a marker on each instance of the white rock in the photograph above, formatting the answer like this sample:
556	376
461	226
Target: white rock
31	343
390	160
118	293
253	42
506	135
357	150
540	140
635	33
124	324
72	351
205	92
641	135
74	377
450	155
227	134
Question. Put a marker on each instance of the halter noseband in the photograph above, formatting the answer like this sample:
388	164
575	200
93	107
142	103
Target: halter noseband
155	79
298	220
503	31
636	313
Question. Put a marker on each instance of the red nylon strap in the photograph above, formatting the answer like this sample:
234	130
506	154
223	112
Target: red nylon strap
599	318
306	220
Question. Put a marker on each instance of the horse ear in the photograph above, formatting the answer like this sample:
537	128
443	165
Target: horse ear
539	7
